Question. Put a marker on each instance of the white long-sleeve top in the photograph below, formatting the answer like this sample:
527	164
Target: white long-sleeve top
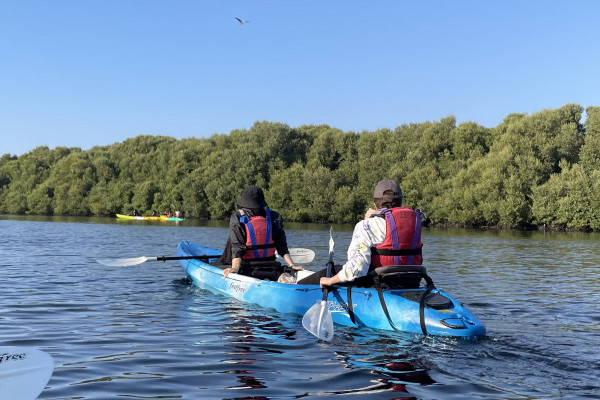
368	233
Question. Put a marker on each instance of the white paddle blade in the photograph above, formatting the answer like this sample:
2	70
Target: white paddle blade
331	242
302	256
24	372
299	255
124	262
318	321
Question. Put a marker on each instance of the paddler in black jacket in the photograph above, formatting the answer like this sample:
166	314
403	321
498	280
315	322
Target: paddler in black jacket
255	232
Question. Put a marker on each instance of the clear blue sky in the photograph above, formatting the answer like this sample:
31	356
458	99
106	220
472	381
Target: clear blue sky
81	73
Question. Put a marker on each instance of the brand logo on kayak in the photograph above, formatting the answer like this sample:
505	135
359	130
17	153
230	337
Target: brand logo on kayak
12	357
335	306
236	287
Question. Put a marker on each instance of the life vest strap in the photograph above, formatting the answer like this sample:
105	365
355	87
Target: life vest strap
417	236
391	222
260	246
399	252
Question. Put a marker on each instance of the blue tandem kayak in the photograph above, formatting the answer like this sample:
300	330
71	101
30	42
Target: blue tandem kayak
441	315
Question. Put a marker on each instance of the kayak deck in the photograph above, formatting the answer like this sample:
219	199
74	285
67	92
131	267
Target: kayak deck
441	316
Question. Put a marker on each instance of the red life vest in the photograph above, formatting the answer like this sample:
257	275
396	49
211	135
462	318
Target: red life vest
402	244
259	238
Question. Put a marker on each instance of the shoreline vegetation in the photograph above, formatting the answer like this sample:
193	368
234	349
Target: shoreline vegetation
532	171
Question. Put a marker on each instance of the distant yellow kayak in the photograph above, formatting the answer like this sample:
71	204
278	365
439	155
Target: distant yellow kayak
148	218
131	217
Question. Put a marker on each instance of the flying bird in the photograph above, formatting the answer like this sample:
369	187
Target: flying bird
240	21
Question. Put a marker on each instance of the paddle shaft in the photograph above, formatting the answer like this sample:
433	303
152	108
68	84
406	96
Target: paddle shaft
206	257
202	257
329	263
328	275
317	320
301	255
325	294
324	307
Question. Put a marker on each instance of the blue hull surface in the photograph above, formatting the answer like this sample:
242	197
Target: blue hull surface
404	311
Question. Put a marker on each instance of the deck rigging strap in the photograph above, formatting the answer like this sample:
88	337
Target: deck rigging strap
350	311
430	286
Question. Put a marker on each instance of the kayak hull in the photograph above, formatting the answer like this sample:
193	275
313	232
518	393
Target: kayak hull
453	320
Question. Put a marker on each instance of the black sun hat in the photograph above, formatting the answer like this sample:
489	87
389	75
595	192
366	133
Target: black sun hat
252	197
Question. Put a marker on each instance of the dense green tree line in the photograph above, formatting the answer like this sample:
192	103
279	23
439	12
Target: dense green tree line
538	170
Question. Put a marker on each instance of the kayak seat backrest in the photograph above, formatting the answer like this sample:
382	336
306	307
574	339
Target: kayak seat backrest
399	276
270	270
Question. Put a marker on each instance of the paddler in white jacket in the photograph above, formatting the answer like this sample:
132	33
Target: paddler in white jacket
372	245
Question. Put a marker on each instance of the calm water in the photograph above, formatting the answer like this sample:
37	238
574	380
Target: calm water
144	332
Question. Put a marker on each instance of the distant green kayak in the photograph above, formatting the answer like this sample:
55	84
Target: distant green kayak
171	219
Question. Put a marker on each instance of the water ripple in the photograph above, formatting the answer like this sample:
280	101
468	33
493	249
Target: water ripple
145	332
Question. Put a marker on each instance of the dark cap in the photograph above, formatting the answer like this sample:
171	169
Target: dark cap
252	197
385	185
